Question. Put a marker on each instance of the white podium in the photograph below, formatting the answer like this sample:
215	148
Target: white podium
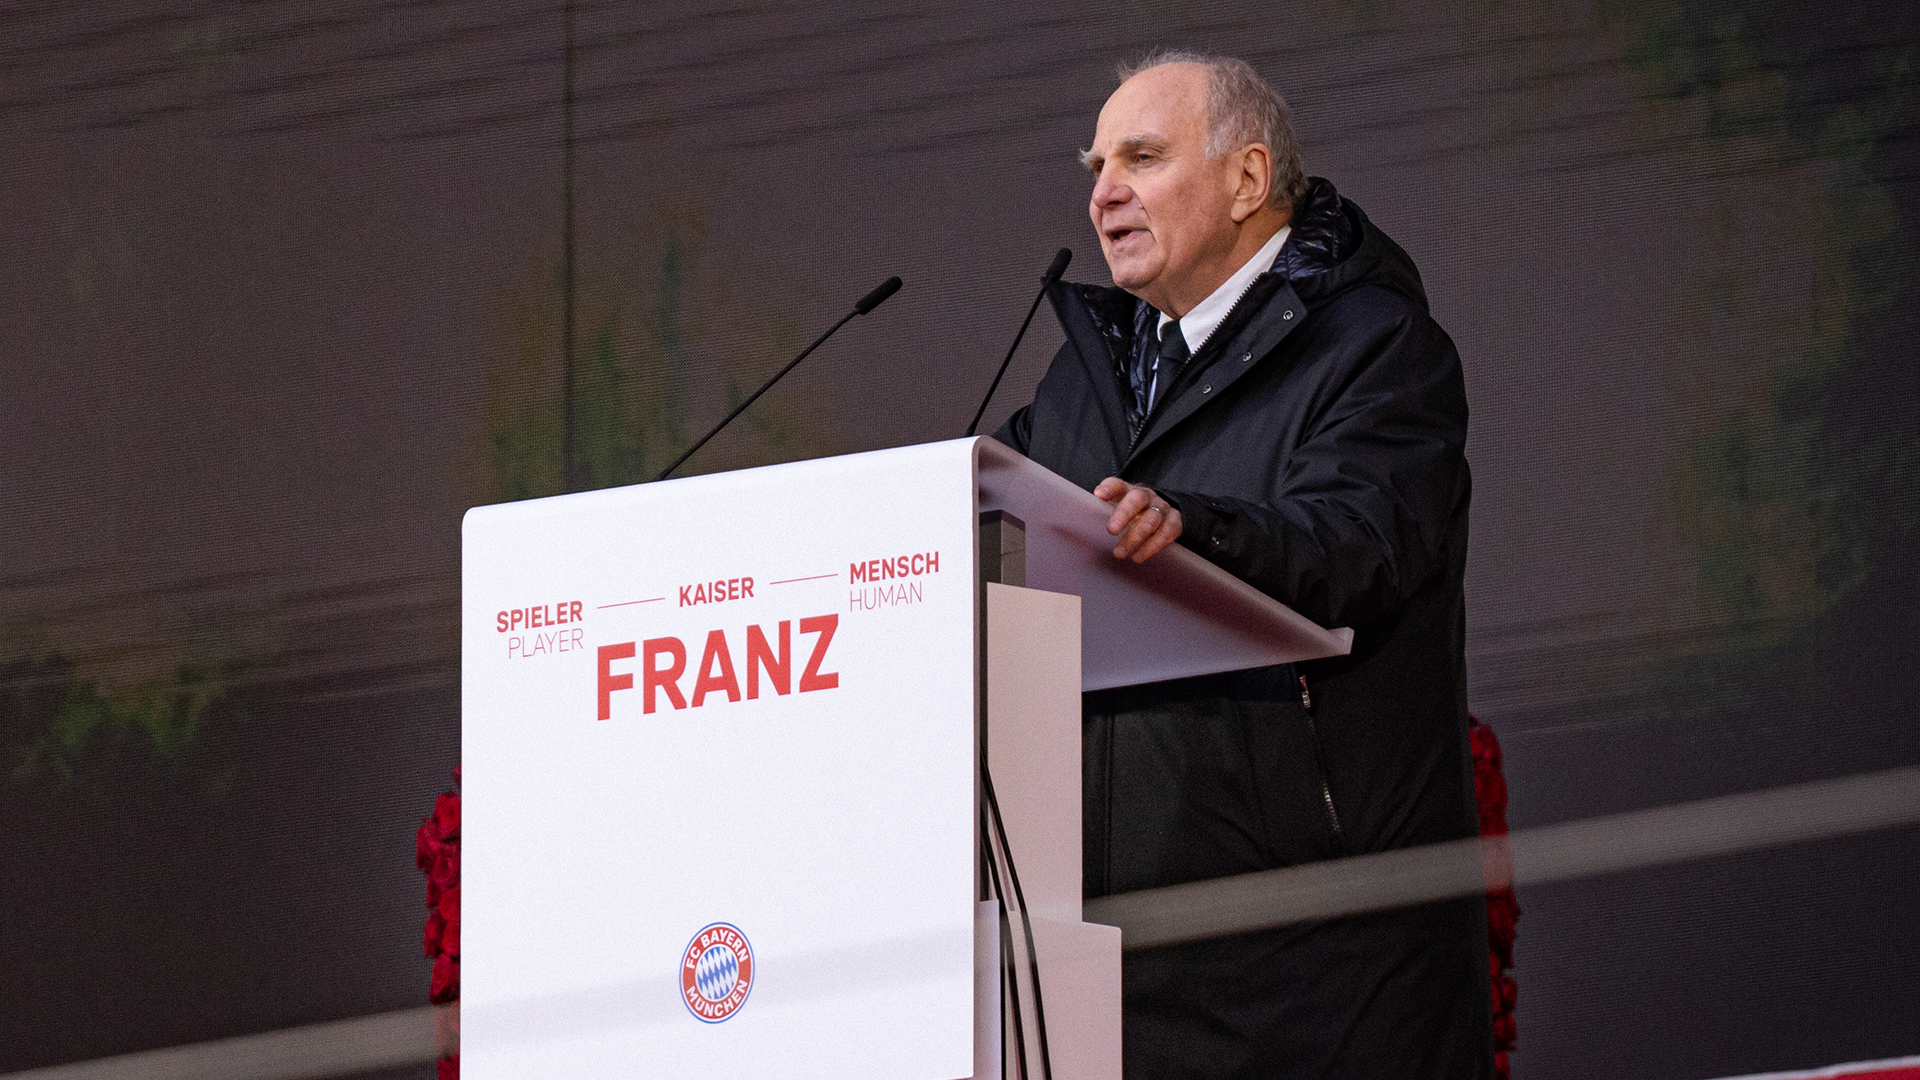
721	746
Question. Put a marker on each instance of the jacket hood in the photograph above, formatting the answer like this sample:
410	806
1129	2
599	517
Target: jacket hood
1333	248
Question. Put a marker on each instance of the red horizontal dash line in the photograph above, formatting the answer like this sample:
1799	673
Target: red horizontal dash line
625	603
791	580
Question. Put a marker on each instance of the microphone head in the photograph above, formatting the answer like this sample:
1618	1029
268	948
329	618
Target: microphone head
1060	260
877	297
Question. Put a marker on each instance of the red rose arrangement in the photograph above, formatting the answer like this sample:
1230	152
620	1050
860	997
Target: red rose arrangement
1503	908
437	851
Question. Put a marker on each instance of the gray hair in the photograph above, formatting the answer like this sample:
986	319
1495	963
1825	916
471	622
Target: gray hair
1242	108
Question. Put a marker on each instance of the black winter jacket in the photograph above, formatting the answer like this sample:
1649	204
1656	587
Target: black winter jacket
1315	447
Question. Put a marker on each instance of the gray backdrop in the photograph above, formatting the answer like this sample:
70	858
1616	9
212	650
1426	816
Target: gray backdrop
281	296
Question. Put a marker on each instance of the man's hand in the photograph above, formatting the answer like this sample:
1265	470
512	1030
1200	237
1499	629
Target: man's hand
1142	520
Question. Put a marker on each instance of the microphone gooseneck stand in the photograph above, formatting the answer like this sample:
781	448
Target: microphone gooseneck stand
865	304
993	830
1059	266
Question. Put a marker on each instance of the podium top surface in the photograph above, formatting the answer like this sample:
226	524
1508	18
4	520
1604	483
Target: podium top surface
1173	616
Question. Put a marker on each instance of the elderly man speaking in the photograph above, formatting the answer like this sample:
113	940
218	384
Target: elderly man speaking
1266	386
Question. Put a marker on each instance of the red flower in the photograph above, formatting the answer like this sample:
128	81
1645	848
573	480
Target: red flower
1494	798
1503	908
1501	930
446	980
446	864
1486	747
448	1069
1504	1031
449	913
437	852
426	845
441	860
1503	918
436	929
446	815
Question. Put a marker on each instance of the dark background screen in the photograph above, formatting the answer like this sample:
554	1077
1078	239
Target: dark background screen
281	296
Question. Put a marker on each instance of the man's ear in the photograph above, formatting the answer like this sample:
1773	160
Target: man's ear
1251	181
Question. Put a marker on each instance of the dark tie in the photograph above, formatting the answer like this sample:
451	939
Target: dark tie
1166	365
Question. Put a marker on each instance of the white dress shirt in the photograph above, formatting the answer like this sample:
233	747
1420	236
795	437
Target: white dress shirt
1200	323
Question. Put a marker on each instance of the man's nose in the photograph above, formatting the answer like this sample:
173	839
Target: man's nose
1109	191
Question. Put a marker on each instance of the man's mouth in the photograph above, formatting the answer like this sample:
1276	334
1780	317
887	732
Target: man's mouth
1115	236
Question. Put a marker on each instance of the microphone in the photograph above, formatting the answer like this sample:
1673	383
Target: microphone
1059	266
864	305
873	299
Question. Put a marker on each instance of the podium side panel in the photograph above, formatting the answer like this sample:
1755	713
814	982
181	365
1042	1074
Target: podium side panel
1033	739
987	1001
1080	981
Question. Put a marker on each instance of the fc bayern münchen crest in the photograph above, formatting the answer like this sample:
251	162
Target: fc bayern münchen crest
716	972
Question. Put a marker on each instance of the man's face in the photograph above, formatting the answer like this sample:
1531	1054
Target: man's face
1162	209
